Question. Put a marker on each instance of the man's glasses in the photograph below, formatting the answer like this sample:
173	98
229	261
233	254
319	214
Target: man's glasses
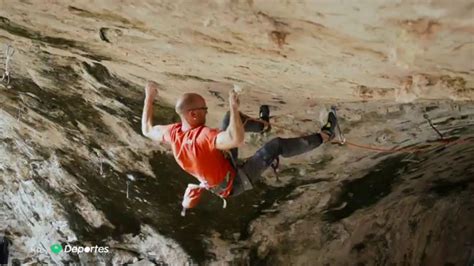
199	108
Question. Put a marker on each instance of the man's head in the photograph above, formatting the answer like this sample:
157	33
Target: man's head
191	107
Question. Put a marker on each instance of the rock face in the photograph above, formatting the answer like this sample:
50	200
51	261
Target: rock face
70	130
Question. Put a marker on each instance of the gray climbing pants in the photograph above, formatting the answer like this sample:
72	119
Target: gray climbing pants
252	169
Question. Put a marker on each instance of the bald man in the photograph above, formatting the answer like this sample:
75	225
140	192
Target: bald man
210	154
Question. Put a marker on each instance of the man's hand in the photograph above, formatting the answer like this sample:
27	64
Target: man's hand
234	100
159	132
151	89
233	136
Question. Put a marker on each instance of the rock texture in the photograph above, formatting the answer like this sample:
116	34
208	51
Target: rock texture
70	130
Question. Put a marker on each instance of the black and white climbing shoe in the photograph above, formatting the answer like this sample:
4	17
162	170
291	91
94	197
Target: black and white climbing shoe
264	114
331	125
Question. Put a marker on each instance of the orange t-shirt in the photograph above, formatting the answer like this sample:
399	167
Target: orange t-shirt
195	151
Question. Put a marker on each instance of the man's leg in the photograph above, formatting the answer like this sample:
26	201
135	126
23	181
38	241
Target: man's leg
270	151
264	157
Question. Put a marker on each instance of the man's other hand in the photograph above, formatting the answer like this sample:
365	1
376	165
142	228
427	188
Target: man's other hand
234	100
151	89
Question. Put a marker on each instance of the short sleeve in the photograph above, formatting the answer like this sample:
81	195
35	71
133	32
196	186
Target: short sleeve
210	136
169	134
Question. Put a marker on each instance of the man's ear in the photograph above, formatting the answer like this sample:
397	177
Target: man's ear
193	114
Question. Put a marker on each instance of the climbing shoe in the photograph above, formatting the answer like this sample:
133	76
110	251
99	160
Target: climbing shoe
264	115
4	242
331	126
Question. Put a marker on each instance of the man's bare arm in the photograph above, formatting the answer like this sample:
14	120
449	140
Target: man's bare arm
233	136
148	130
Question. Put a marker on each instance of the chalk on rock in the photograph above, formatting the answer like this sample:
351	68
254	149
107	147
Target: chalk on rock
131	177
237	89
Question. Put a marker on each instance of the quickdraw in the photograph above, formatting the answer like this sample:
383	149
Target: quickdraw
9	51
274	165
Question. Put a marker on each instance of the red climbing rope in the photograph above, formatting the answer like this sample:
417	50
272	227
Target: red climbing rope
406	149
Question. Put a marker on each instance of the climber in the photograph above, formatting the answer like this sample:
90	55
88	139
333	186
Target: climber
210	154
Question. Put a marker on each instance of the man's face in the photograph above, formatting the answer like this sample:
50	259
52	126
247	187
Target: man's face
198	114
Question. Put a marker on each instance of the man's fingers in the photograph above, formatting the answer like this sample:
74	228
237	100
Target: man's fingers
233	99
151	83
151	88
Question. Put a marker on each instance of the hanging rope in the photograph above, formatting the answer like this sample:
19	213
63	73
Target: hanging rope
9	51
425	116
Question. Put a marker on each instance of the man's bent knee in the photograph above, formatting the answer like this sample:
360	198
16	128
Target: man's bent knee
271	150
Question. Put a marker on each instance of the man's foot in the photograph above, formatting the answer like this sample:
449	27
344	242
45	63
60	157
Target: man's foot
331	126
264	115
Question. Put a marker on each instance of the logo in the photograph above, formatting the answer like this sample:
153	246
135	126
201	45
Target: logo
81	249
56	248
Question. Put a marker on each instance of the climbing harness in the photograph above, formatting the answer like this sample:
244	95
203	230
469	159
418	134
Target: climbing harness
224	201
9	51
